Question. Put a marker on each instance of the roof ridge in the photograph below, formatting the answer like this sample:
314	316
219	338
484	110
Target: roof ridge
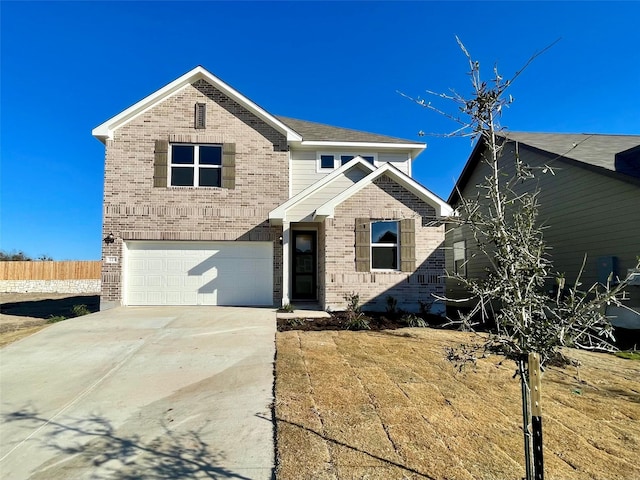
522	132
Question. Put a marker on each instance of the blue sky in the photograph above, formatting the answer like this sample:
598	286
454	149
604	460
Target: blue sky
66	67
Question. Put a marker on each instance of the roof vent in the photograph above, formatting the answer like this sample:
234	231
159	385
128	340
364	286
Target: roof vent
201	115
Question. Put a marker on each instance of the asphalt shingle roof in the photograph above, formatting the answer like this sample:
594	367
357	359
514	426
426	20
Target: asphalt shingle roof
595	149
312	131
592	150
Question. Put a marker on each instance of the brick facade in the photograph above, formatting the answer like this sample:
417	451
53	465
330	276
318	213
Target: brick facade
382	200
136	210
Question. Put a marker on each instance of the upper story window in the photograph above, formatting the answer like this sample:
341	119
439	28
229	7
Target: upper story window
326	162
384	245
347	158
195	165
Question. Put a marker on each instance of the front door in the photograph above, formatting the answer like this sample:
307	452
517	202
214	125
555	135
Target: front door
304	266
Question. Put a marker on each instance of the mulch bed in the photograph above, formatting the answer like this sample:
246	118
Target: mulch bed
340	321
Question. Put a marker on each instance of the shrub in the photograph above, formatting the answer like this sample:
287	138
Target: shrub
80	310
295	322
56	318
353	302
355	318
414	321
425	307
358	322
288	308
392	305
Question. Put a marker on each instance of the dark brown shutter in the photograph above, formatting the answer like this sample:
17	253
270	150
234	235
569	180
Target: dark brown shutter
363	242
201	115
407	245
229	165
160	163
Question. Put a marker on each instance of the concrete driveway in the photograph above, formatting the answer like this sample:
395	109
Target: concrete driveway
141	392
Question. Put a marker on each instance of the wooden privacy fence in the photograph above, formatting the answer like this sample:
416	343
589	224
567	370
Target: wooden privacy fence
36	270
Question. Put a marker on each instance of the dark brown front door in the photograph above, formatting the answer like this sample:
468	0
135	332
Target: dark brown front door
304	266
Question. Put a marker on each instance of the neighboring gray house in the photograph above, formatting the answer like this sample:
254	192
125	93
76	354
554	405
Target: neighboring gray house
211	200
590	205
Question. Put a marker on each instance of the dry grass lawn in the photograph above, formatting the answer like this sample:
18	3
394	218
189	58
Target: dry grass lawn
387	405
23	314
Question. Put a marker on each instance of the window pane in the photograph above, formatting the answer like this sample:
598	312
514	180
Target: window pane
210	155
368	159
182	154
345	158
182	176
384	257
458	251
304	243
304	285
384	232
210	177
326	161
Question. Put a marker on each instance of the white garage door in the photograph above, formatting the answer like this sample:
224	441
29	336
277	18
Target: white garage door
198	273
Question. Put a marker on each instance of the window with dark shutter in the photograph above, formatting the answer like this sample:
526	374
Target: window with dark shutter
160	163
193	165
201	115
408	245
229	165
363	239
384	245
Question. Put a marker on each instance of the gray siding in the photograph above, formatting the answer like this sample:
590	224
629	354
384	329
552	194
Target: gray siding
585	213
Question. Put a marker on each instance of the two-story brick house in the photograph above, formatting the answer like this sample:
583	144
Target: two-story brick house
211	200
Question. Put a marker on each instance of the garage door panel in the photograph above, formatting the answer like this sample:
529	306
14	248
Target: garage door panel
199	273
153	281
152	298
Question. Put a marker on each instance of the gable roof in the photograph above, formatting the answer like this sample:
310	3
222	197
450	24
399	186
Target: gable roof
298	132
594	149
105	130
278	215
442	208
597	152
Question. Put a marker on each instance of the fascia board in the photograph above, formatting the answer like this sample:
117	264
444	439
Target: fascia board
326	143
106	129
415	148
279	212
443	209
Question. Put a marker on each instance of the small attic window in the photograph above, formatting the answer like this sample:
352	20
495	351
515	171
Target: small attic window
201	115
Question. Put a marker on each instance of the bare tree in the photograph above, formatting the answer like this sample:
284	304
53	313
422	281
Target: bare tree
503	221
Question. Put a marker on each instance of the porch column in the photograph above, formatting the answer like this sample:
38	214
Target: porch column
285	263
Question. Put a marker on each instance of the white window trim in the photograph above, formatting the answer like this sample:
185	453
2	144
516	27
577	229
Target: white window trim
337	161
196	164
319	168
371	245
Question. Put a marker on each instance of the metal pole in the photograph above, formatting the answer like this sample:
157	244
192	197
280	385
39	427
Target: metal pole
525	419
536	415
